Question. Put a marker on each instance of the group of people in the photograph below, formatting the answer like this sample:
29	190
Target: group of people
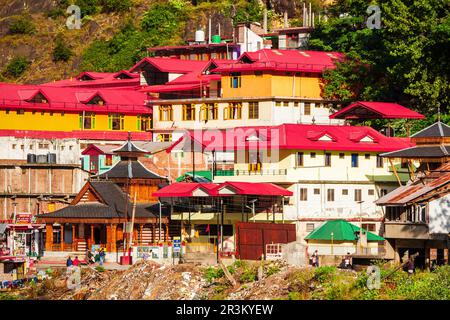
91	258
346	262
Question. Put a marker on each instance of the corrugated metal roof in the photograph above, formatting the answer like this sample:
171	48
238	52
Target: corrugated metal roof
373	109
341	230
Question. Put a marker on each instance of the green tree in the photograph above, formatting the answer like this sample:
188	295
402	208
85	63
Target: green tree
404	61
22	25
61	51
16	67
116	5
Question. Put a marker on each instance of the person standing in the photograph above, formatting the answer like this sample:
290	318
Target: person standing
102	256
315	259
348	261
69	262
410	266
76	262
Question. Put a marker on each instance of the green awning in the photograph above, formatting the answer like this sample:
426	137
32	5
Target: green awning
342	231
206	174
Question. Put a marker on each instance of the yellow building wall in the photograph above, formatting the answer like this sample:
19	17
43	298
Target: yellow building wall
57	121
268	85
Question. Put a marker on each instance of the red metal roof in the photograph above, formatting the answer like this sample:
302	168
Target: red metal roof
374	110
171	88
283	60
171	65
294	136
186	189
255	188
77	134
100	80
66	99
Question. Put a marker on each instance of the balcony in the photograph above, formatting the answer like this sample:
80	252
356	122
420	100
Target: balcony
406	230
261	172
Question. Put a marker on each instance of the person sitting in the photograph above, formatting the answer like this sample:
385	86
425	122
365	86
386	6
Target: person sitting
76	262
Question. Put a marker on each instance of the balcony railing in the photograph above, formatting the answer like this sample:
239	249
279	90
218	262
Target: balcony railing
267	172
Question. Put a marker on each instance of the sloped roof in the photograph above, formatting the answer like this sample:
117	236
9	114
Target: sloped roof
185	189
438	151
436	130
342	231
129	146
79	134
255	188
13	96
171	65
283	60
376	110
99	80
417	188
293	136
133	169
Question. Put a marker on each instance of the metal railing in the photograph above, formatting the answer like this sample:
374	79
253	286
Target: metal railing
267	172
276	65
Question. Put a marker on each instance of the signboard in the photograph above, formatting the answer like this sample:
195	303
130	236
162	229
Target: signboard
147	252
176	244
24	218
433	254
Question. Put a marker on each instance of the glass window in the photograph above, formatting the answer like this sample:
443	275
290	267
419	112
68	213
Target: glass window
188	112
165	113
303	194
277	103
371	192
209	111
354	160
164	137
143	122
108	160
235	80
316	191
367	156
299	159
285	103
380	162
330	195
327	159
313	155
116	121
233	111
253	110
345	192
341	155
309	227
87	121
307	109
358	195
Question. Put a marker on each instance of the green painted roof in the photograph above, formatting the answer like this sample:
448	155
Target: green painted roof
201	173
342	231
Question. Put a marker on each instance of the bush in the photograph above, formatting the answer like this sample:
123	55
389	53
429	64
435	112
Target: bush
16	67
22	25
248	275
100	269
55	13
116	5
212	273
61	52
324	273
88	7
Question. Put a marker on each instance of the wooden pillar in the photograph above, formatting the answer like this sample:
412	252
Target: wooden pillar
62	236
141	227
92	234
74	239
108	238
395	172
153	233
113	237
166	235
49	237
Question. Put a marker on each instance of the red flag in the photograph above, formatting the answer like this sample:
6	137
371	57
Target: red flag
207	228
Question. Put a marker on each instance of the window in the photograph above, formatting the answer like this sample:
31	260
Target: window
20	111
43	146
233	111
345	192
277	103
209	111
358	195
327	159
313	155
341	155
307	111
165	113
369	227
367	156
164	137
22	147
62	114
380	162
258	73
354	160
303	194
383	192
404	165
62	148
108	160
31	147
13	146
285	103
51	114
296	104
70	147
6	111
143	122
253	110
235	80
316	191
116	121
309	227
188	112
299	159
330	195
88	122
371	192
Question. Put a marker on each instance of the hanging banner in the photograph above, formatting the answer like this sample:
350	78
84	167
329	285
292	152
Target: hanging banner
24	218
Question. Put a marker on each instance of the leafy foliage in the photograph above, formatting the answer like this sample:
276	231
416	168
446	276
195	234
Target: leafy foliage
16	67
22	25
61	51
404	61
